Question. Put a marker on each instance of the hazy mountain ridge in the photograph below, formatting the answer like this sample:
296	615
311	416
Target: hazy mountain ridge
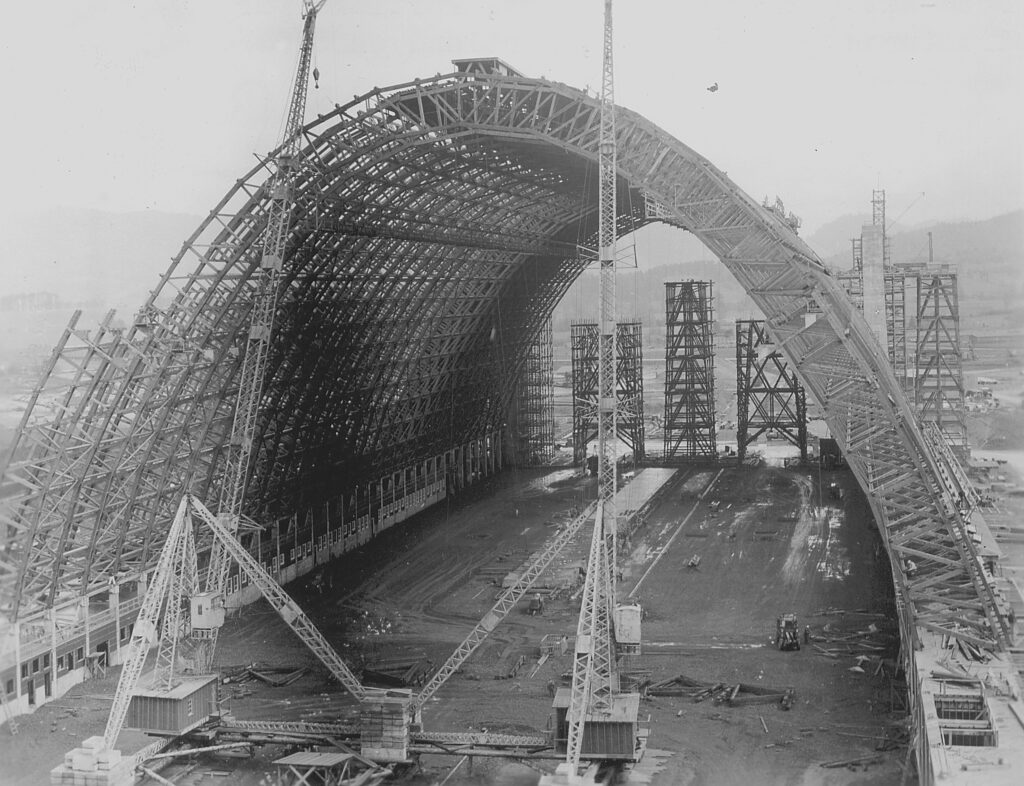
112	260
834	237
989	256
970	245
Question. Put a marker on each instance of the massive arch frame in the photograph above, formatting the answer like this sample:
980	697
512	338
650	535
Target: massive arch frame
436	225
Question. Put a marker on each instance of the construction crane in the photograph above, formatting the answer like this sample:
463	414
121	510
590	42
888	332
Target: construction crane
171	589
507	601
594	677
168	590
254	363
144	631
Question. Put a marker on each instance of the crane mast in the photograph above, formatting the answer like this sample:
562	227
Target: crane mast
144	631
172	583
254	363
594	678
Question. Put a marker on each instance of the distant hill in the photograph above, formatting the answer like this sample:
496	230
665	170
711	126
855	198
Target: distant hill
112	260
989	256
834	237
662	253
968	244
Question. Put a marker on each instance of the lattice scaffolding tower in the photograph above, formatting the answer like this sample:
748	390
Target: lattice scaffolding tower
939	382
769	398
896	323
629	386
689	371
535	401
852	281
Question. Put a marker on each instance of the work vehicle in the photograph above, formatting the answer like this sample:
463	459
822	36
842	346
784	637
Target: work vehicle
787	632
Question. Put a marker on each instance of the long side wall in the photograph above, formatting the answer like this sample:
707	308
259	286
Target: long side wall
45	655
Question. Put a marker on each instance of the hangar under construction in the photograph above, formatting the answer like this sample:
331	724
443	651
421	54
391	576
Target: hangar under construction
359	334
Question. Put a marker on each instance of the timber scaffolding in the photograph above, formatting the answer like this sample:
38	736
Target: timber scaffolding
769	398
629	387
690	428
930	373
939	382
534	412
403	319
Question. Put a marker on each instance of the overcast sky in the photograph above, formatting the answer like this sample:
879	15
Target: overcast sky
160	105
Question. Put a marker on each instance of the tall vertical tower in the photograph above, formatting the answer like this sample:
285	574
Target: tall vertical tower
535	405
629	385
939	383
873	245
769	398
594	678
607	220
689	371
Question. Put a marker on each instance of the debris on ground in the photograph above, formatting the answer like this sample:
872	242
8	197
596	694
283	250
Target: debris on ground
737	694
862	761
399	673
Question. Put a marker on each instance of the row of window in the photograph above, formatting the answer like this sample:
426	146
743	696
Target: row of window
37	664
65	662
331	538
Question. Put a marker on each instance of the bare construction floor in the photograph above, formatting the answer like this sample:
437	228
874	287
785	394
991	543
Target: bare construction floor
770	541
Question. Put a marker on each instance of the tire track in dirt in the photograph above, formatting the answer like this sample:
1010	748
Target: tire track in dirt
810	535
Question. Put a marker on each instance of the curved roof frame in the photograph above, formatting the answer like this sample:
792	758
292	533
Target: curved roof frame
436	225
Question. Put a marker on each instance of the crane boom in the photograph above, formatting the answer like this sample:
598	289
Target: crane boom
505	603
282	602
261	323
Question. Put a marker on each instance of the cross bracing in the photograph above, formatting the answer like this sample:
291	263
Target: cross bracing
690	426
769	398
434	229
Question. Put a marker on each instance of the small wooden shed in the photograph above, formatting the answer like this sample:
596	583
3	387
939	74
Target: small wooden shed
312	768
185	706
615	735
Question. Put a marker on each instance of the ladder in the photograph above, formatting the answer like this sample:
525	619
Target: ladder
12	721
951	469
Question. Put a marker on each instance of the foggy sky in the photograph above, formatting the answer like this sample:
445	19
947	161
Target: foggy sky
160	105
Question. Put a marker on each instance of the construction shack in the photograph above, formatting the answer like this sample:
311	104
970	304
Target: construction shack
611	735
185	706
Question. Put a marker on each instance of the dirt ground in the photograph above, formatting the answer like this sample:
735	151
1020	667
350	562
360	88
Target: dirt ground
417	591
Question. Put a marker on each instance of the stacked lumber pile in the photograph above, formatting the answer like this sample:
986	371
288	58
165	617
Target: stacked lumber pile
737	694
871	647
398	672
384	730
275	676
